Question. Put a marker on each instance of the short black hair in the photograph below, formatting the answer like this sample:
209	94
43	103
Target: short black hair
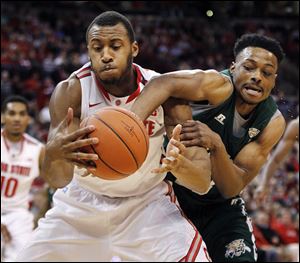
256	40
112	18
14	98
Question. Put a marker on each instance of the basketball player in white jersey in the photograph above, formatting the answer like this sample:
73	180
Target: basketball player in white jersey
21	158
132	219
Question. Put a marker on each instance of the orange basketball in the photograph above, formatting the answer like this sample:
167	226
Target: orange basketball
123	142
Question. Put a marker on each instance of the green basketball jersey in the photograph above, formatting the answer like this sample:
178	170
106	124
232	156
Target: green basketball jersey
221	120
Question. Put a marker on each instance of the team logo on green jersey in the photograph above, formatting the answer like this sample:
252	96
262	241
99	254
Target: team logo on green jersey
253	132
236	248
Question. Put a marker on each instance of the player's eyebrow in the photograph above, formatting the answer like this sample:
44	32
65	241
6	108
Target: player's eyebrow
253	61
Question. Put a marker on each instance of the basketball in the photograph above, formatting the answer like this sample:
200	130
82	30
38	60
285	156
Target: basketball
123	142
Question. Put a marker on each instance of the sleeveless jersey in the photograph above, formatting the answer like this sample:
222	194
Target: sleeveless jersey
222	120
18	170
93	98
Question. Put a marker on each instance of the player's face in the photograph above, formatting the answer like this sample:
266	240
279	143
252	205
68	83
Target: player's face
111	52
254	74
16	118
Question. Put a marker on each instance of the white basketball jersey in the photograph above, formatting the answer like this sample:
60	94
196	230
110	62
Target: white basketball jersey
18	170
95	97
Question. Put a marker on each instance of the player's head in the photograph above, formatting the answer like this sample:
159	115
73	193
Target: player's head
255	67
15	115
111	46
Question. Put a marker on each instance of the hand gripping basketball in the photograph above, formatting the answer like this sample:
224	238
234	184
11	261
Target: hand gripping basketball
123	142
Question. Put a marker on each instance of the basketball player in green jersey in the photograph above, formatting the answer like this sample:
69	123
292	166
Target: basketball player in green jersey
237	121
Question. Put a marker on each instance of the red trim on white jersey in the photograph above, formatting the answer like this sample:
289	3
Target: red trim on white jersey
84	71
85	75
138	81
197	241
101	89
6	143
133	95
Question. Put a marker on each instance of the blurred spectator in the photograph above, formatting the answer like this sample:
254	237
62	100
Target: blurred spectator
267	240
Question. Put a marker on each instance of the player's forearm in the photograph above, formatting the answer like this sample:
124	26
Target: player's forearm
156	92
228	180
195	173
57	173
268	172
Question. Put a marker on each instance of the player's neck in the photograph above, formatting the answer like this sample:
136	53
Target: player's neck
13	137
244	108
125	86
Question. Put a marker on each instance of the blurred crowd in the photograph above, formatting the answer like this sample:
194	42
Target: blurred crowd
276	218
41	44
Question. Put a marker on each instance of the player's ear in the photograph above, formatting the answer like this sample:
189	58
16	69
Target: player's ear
232	67
135	49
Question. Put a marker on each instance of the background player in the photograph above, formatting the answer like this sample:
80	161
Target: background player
21	159
286	144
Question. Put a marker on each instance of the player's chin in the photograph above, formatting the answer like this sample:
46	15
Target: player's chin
109	79
251	100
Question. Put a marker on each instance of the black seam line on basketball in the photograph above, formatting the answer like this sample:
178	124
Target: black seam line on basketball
138	126
119	138
106	163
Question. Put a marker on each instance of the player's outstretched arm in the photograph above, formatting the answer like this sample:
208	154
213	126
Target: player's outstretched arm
278	156
195	85
65	137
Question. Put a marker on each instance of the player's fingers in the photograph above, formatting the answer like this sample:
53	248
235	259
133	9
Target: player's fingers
79	133
80	156
159	170
80	143
89	165
87	172
178	145
176	132
189	123
192	142
189	136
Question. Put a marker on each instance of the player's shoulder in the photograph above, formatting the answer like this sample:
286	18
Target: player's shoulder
292	130
69	89
84	71
274	129
73	81
31	140
277	120
146	73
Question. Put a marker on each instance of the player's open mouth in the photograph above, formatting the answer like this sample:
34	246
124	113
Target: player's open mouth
253	90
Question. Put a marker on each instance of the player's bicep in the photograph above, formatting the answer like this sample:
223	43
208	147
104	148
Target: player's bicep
197	85
253	156
250	159
66	94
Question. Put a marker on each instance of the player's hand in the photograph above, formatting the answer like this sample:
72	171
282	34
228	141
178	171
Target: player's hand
65	145
5	233
196	133
174	153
